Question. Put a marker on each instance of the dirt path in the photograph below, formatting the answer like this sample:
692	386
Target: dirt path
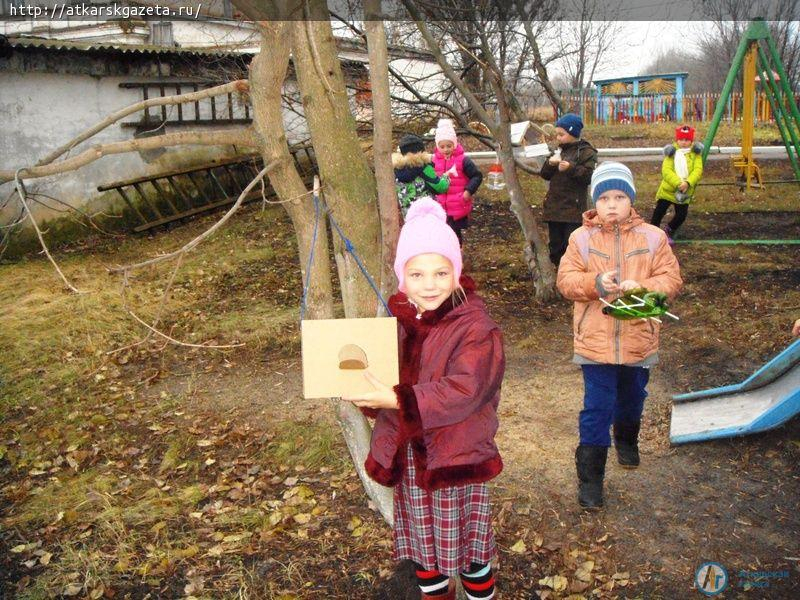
732	501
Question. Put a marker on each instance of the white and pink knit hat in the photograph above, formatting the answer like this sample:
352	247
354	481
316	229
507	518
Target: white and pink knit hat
445	131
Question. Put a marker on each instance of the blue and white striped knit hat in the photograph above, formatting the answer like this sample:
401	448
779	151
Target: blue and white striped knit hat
612	176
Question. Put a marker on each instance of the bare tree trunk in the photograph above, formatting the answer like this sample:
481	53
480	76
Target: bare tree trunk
350	190
382	146
535	251
267	74
349	184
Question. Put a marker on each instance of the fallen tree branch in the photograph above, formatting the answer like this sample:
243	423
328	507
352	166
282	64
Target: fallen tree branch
180	254
21	192
243	136
152	329
178	342
206	233
164	297
240	85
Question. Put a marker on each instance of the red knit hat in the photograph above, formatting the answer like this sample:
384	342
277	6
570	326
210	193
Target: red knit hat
684	132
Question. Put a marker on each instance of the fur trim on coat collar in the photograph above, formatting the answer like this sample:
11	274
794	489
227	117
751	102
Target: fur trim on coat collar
412	159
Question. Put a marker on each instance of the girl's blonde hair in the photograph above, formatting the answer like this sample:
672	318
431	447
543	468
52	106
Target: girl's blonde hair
458	296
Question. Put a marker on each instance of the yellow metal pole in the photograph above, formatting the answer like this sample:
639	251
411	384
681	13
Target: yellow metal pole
749	89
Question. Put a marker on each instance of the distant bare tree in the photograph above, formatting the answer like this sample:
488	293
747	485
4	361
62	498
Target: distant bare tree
729	21
681	61
585	43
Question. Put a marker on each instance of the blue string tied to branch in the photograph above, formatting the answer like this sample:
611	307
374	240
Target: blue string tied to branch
348	245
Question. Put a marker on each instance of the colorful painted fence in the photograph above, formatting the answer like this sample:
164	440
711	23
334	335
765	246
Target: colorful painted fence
652	109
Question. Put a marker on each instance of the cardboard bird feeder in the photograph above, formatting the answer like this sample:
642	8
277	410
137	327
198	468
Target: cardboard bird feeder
336	352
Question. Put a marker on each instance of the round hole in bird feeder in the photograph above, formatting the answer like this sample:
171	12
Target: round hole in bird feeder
352	357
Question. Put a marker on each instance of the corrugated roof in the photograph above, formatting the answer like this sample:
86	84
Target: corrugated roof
32	42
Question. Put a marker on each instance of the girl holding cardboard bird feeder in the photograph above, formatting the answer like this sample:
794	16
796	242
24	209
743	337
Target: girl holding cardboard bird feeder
433	439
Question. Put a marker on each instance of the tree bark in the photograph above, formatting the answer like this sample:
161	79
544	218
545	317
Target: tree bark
348	182
535	251
382	145
351	192
268	72
267	75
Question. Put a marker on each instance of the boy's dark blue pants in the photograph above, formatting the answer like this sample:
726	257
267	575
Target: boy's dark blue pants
612	394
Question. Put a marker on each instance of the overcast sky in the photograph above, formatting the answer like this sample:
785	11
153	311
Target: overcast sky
643	41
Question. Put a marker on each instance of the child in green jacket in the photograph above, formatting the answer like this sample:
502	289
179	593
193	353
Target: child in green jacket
414	173
681	171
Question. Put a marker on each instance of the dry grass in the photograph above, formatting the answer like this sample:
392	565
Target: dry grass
54	340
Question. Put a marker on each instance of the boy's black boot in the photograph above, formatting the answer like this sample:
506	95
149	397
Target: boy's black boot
591	465
626	441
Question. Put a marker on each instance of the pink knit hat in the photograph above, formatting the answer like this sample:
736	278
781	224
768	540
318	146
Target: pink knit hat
426	232
445	131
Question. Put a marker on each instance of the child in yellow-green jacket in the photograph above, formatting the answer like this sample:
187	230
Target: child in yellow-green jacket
681	171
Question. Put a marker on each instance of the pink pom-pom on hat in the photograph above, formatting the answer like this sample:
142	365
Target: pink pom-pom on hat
426	232
445	131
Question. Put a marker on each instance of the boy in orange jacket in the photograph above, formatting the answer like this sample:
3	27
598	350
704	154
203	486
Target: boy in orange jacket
613	252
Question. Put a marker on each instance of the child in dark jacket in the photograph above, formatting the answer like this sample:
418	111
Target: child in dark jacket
569	171
414	175
433	439
465	178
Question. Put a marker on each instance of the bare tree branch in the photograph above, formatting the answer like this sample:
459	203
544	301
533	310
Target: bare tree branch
235	86
242	136
435	49
21	192
206	233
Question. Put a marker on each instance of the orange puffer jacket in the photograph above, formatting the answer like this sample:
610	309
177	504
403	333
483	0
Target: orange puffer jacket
636	250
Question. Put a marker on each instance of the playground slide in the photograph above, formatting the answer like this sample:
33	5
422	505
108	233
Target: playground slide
765	400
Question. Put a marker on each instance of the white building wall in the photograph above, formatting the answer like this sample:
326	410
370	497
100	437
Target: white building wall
232	36
41	111
425	76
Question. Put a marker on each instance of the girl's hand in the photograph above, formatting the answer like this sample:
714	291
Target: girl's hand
382	397
628	285
609	282
684	185
467	195
796	328
563	165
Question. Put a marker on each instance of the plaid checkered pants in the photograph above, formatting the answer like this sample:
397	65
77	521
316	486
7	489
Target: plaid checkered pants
445	529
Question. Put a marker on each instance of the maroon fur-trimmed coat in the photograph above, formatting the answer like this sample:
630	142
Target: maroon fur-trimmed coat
451	368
